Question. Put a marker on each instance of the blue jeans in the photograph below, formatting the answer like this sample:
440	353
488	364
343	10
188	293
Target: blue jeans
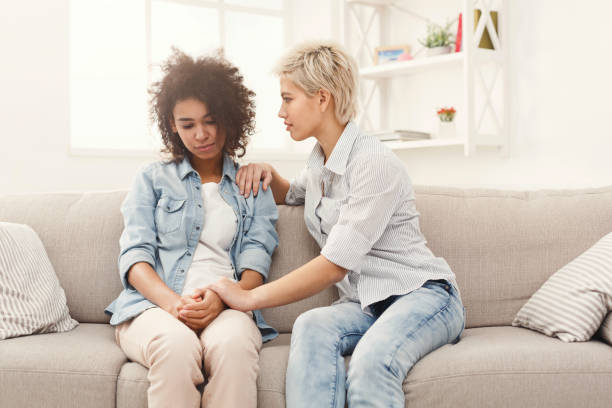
384	347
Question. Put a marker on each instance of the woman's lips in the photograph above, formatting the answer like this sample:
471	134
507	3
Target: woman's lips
204	148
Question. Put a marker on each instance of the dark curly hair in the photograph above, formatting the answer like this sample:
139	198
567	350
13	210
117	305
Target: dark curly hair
214	81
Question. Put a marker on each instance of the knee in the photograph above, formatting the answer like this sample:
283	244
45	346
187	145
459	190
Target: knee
180	344
311	323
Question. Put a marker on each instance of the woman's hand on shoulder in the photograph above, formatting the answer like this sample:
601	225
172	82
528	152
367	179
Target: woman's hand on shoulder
249	176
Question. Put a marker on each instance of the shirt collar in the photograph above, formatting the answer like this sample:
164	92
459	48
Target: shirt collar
229	168
340	154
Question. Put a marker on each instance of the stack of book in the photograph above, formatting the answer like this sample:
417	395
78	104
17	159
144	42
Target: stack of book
398	134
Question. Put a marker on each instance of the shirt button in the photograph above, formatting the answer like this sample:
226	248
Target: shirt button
197	187
197	228
188	253
168	207
181	271
200	205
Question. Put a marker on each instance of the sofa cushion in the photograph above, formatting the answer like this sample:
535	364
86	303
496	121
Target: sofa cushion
512	367
80	232
31	298
78	368
574	301
132	386
295	248
503	245
496	362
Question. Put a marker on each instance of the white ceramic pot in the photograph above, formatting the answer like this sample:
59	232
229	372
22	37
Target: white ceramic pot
438	51
446	130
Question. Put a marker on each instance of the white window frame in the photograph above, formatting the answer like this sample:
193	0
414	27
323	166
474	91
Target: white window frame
289	152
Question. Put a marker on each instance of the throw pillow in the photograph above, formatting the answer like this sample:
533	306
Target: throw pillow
574	301
31	298
605	331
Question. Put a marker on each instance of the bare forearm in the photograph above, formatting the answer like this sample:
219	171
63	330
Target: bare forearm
279	186
144	278
299	284
250	279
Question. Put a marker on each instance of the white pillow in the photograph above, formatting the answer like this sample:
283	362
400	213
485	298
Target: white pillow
574	301
31	298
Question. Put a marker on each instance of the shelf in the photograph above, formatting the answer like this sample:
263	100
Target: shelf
371	2
416	144
392	69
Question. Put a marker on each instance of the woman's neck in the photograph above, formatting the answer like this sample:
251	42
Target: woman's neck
210	170
328	135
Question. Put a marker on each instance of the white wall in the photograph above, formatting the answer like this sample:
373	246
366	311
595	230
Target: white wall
560	101
560	104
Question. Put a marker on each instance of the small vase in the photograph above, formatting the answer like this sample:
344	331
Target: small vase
438	51
446	130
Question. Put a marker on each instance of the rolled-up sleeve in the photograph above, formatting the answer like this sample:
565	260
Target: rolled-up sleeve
261	239
297	189
375	187
138	242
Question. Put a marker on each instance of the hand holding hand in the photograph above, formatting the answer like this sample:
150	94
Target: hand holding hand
233	295
199	314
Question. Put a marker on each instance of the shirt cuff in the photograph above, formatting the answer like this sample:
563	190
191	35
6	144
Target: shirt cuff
130	258
255	259
346	247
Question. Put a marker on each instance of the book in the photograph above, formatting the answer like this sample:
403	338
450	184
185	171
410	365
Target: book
459	34
400	134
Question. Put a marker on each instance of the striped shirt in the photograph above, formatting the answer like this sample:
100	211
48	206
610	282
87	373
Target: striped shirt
360	208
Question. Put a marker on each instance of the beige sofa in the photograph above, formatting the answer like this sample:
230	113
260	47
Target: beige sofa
502	246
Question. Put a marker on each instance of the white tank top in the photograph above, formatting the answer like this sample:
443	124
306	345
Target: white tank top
211	259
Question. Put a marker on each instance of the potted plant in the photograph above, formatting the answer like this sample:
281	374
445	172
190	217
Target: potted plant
438	40
446	126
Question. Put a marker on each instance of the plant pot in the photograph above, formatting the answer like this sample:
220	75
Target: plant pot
438	50
446	130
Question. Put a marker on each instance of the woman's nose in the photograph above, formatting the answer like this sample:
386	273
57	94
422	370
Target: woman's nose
199	132
281	113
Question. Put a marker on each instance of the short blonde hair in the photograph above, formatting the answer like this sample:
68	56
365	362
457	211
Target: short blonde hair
315	66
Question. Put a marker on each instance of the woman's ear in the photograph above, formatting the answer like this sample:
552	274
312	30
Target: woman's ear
324	99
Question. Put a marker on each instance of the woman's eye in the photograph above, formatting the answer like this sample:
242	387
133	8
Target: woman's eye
286	100
187	126
210	122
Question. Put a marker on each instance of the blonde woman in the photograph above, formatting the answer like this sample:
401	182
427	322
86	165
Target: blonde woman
398	301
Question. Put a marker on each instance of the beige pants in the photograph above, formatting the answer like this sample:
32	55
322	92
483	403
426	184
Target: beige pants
173	353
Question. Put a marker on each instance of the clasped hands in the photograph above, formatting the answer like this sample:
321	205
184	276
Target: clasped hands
197	311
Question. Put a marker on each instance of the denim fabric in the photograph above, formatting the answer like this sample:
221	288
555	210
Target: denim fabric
163	218
384	347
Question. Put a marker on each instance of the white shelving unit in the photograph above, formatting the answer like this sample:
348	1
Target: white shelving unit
471	60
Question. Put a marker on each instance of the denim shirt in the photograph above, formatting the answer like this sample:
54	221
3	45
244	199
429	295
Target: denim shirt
163	217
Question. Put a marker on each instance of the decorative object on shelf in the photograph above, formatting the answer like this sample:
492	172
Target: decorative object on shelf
459	33
438	40
399	134
485	40
446	125
382	55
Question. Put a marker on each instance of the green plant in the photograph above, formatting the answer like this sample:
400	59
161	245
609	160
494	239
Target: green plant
438	36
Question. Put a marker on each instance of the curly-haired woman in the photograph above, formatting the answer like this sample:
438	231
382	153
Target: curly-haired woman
186	225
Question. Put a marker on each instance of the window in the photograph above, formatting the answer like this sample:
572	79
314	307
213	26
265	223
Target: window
116	48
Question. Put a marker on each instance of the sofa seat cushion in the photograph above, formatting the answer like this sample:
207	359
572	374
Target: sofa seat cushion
512	367
78	368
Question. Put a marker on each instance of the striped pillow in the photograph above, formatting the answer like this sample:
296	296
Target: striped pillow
31	298
574	301
605	331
